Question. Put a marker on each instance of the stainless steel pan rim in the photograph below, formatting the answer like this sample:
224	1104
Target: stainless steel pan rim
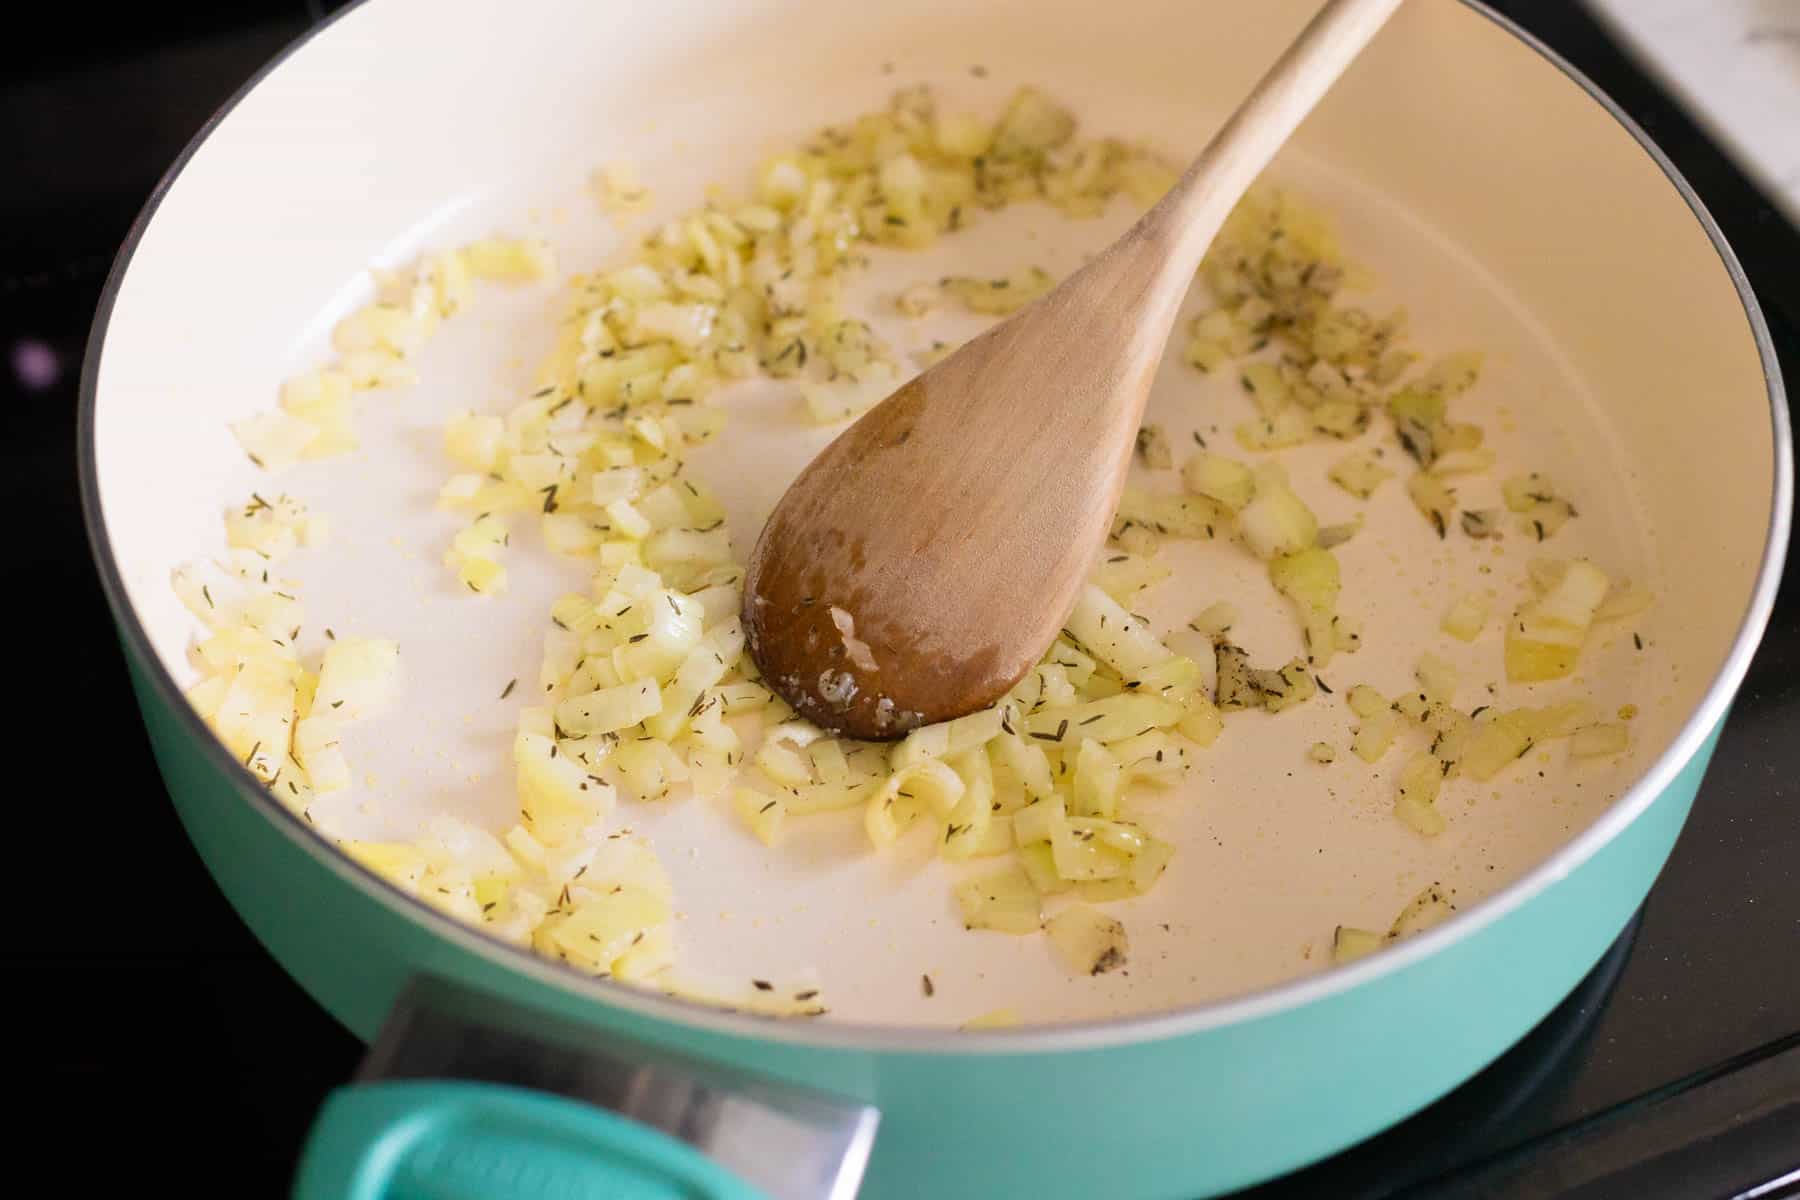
1087	1035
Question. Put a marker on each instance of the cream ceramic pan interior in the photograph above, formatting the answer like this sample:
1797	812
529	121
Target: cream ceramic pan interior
1486	191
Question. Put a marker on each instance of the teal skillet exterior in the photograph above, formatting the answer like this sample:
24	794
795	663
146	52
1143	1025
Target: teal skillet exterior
1165	1118
1161	1108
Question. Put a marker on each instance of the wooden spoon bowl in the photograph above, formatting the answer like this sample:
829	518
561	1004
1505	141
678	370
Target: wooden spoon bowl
926	559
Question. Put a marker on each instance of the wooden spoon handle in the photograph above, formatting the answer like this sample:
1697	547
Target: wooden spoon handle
1184	221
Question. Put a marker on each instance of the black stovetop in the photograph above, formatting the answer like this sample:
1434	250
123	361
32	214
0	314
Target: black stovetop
154	1037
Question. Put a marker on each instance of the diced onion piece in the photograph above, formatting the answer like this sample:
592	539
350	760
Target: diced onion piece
1141	872
1215	620
1122	576
451	288
967	824
482	538
1002	900
1115	636
1523	491
1576	596
619	190
360	677
557	799
1544	639
932	786
328	770
1109	720
1219	478
1204	354
1031	125
1039	864
1435	501
1001	295
1423	819
1200	723
1542	520
1420	780
1558	720
761	813
1374	735
1462	462
1266	386
1235	688
1042	821
1310	579
1093	848
509	260
1359	474
274	440
473	441
570	534
1626	600
999	1018
601	932
926	787
400	864
205	696
782	764
1089	941
1465	617
961	135
483	576
1437	677
1499	741
1024	761
1171	515
1342	418
322	400
1322	752
1154	757
1138	541
949	738
648	768
626	519
1349	944
1099	780
255	716
1276	522
1243	686
608	710
918	300
1288	427
371	369
1430	907
702	669
1599	741
828	402
744	697
271	530
614	483
1365	701
646	956
383	327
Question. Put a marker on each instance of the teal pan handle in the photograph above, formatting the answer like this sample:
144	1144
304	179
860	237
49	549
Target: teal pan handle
466	1096
453	1140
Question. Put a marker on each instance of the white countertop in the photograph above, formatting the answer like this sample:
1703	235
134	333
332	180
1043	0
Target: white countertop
1735	64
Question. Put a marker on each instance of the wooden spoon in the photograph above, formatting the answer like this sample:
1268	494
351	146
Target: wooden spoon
926	559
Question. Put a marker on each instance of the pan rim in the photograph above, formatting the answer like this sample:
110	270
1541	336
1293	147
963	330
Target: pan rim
892	1039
